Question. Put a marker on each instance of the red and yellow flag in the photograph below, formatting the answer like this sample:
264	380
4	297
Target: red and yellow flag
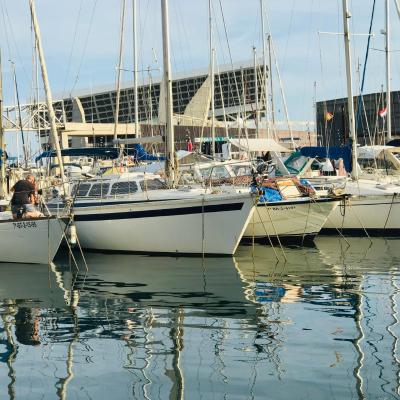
328	116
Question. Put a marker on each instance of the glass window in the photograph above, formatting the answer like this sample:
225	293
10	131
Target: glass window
123	188
152	184
216	172
296	164
240	170
376	163
99	189
82	188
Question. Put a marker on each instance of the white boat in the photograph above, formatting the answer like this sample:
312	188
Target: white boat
294	219
373	204
290	220
30	241
134	212
145	216
373	207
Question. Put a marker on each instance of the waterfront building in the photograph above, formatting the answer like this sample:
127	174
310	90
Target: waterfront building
332	119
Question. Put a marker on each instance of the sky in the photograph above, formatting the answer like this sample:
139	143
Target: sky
81	37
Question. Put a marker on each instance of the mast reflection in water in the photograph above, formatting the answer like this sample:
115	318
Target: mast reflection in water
323	324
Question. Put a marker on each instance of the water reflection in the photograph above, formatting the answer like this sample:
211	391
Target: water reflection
323	323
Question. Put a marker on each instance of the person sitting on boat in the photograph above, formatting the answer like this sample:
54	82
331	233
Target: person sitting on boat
24	198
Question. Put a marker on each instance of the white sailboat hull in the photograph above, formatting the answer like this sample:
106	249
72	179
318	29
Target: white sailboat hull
290	219
375	214
373	206
32	241
193	225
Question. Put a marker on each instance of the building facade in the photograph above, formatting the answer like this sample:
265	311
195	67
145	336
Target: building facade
234	94
371	125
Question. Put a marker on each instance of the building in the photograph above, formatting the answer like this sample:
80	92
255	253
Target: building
87	118
332	119
234	95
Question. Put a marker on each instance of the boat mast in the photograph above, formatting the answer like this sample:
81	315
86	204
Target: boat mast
271	82
169	128
212	87
350	104
387	51
135	69
119	72
256	93
2	144
49	99
264	45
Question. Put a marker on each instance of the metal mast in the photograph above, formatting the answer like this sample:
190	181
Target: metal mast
49	99
350	104
264	45
2	146
212	88
169	128
119	72
135	69
256	93
387	51
271	82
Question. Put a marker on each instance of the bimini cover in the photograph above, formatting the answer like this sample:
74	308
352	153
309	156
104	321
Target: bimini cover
137	152
333	152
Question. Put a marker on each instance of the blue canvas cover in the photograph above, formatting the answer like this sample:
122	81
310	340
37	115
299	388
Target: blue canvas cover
269	195
137	152
333	152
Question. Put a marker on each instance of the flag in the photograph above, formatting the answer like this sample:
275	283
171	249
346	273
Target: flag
382	113
328	116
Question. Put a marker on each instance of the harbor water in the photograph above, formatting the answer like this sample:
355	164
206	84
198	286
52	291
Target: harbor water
317	322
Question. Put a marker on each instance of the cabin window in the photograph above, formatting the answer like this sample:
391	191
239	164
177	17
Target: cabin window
152	184
215	172
380	162
241	170
120	188
99	189
81	190
296	164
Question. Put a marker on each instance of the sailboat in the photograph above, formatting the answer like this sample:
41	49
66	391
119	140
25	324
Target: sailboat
33	240
138	213
372	207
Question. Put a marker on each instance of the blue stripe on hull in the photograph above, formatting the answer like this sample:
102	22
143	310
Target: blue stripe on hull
158	213
376	232
282	239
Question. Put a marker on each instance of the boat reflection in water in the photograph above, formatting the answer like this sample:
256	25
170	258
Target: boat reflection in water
135	327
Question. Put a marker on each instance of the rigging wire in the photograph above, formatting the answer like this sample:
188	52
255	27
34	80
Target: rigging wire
84	47
280	82
307	58
239	99
360	98
10	37
72	48
288	36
